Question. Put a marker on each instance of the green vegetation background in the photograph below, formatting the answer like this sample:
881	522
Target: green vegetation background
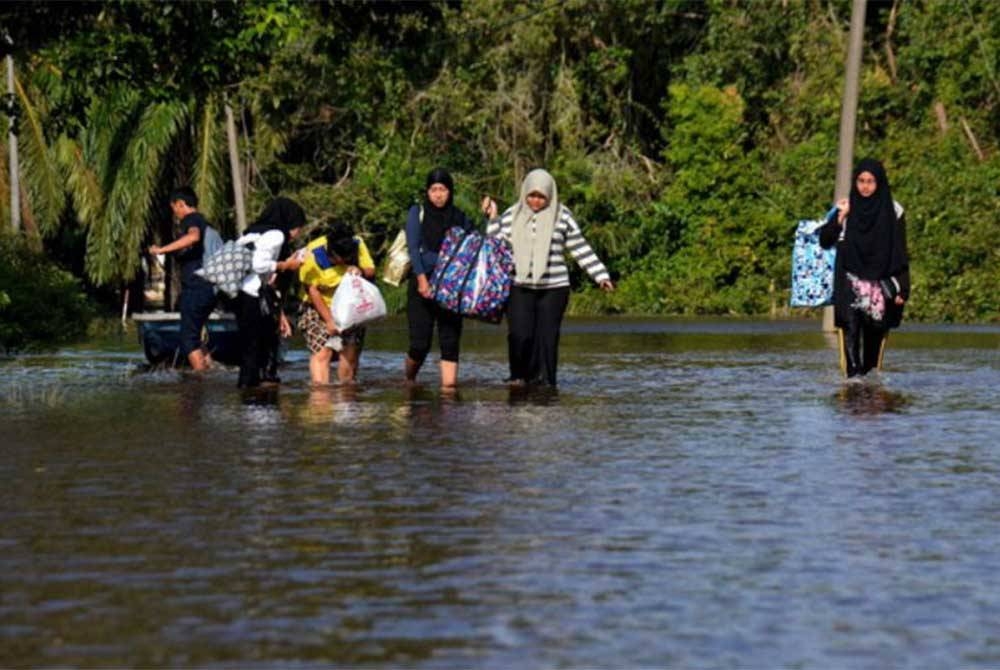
687	137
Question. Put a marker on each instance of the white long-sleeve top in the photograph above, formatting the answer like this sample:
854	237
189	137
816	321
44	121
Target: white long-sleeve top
266	248
566	236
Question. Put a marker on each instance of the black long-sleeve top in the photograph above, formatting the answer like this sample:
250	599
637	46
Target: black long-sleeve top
843	296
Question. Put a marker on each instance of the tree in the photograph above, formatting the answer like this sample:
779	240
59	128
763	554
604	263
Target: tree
136	93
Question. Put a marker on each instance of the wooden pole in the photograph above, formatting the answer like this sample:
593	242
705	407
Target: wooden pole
848	117
15	182
234	168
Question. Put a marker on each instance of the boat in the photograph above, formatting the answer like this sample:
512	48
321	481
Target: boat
159	329
159	335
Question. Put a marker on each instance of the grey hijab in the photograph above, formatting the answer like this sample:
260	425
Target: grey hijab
531	244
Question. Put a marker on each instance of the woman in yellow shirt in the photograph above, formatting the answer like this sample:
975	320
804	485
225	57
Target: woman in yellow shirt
328	259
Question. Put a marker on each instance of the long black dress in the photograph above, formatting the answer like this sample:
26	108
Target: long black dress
873	248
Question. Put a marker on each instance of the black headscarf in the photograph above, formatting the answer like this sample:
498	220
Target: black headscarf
438	220
282	214
873	246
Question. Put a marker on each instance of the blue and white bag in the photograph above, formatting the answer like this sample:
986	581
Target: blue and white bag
812	266
227	267
473	275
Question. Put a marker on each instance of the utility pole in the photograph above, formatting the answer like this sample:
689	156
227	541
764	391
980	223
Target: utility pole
848	117
234	168
15	182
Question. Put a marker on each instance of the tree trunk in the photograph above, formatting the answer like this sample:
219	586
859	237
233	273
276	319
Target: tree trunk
234	168
15	182
848	117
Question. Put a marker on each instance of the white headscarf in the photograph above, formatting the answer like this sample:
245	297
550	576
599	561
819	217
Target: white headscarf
531	244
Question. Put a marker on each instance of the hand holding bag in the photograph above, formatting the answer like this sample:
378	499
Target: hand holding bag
812	266
474	275
890	289
356	302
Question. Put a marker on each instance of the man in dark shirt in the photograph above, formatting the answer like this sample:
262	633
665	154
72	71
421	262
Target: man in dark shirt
197	295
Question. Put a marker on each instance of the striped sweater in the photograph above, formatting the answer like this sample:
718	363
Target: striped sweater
565	237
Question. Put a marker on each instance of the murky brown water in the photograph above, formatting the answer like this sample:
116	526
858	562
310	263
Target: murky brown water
697	494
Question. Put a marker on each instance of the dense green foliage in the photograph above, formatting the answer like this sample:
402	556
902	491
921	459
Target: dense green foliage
40	304
687	136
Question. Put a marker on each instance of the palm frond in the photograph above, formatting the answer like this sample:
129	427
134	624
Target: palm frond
209	170
90	163
40	176
113	246
111	120
267	142
81	180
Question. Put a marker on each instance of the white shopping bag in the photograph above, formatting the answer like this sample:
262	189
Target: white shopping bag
356	302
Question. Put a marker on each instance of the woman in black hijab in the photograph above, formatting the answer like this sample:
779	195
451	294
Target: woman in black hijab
426	227
871	273
258	306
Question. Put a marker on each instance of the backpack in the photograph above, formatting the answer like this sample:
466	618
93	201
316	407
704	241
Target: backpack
228	266
211	244
473	275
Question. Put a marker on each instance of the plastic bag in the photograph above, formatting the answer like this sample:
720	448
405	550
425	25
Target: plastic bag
397	264
356	302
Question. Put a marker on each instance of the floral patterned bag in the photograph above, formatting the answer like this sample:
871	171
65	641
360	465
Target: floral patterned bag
812	267
487	287
473	275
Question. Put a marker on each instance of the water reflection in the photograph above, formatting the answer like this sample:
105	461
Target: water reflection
323	402
869	398
533	394
690	497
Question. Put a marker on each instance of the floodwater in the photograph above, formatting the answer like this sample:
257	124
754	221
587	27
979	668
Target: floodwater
697	494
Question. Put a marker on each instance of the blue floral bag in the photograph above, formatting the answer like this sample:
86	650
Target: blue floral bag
812	267
487	286
473	275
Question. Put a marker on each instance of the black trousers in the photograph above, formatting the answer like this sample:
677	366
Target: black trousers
862	341
422	314
196	305
534	318
258	340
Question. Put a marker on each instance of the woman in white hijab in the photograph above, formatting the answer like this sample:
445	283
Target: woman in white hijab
540	230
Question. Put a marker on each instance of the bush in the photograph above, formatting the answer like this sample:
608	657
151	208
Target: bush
41	305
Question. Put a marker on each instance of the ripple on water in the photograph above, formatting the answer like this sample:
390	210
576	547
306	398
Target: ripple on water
693	495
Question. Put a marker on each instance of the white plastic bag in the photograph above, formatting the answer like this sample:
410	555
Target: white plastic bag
356	302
